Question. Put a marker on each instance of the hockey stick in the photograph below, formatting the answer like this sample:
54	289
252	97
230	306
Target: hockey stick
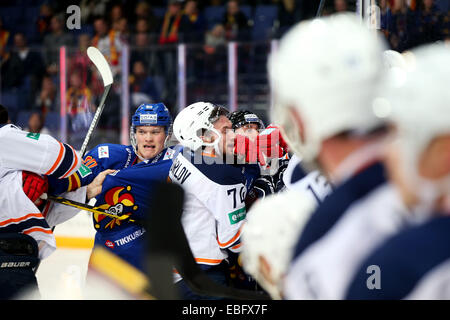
320	9
102	66
86	207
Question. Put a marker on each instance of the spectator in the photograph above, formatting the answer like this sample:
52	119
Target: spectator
288	14
36	123
429	23
80	109
144	11
115	14
142	26
140	51
446	27
215	59
120	26
78	96
385	16
31	66
4	37
142	86
215	37
168	56
46	101
108	42
90	9
80	62
53	41
192	25
171	23
400	24
235	22
340	5
44	20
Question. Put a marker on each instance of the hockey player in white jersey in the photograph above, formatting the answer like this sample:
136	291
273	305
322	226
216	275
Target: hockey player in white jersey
330	262
26	235
323	98
414	264
214	209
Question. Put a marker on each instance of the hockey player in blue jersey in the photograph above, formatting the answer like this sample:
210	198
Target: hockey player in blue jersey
414	263
149	131
150	160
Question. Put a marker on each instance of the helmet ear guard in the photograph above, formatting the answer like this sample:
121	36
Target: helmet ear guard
194	121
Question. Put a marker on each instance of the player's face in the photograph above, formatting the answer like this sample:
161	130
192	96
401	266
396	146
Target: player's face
223	126
150	140
249	130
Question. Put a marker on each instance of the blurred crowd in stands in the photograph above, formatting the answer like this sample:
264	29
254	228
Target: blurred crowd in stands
32	31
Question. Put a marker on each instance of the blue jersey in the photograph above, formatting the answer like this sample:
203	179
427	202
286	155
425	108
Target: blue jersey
403	260
102	157
124	192
128	192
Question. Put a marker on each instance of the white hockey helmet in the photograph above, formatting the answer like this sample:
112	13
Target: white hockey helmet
326	70
418	101
271	230
194	120
393	59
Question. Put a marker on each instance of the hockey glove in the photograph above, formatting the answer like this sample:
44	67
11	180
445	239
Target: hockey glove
271	144
34	186
246	149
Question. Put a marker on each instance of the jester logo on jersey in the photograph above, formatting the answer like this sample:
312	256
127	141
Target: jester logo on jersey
119	201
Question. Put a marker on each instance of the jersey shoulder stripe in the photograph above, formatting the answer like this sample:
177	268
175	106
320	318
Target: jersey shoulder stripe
66	162
58	160
74	164
26	225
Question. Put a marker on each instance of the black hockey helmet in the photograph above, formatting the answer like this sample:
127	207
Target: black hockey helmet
243	117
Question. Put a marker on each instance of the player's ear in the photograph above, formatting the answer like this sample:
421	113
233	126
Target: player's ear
208	137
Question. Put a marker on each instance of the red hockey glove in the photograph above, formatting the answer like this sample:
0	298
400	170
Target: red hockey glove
271	144
34	186
245	149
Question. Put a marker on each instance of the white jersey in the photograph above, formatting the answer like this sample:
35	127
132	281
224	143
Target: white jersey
214	207
38	153
42	154
312	183
435	285
325	269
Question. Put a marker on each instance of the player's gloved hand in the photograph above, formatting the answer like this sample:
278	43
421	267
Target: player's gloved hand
271	144
262	187
246	149
34	186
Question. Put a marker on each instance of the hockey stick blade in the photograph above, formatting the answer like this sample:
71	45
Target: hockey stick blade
101	64
103	68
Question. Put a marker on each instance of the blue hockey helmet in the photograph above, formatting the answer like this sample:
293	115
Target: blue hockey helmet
150	114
